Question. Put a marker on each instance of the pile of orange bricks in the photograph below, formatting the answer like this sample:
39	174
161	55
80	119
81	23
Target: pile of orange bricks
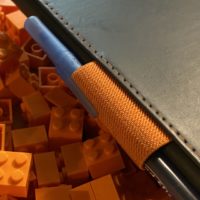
50	148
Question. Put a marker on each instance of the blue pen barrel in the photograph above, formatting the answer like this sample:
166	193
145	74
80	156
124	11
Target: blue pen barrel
64	60
62	57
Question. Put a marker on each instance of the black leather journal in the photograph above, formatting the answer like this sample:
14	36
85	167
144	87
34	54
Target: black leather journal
151	47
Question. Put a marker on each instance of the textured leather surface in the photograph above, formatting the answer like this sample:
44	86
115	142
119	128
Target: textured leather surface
152	47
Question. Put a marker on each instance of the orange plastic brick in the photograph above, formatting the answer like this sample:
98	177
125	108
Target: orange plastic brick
80	195
99	189
9	54
2	137
75	165
8	3
48	79
7	197
4	91
22	78
8	6
53	193
104	188
58	97
102	156
36	55
33	139
5	8
65	126
6	115
84	189
2	19
14	173
46	169
15	27
36	109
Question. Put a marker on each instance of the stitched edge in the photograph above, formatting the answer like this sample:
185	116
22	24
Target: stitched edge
136	92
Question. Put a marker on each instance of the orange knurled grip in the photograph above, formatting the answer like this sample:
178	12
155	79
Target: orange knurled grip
137	133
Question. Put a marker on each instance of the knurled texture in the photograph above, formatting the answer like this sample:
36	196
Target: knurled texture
134	129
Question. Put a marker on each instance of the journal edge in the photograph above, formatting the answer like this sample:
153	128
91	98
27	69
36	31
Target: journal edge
86	52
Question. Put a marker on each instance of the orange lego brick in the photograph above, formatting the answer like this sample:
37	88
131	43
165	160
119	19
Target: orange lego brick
80	195
46	169
35	109
15	27
53	193
99	189
7	3
2	19
58	97
9	54
75	165
104	188
84	189
8	6
22	78
33	139
7	197
65	126
36	55
48	79
4	91
5	8
102	156
6	115
2	137
14	173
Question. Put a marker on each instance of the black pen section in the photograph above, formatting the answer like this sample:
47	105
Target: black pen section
176	172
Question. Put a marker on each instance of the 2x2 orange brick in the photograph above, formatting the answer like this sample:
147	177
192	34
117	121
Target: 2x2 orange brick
14	173
102	155
66	126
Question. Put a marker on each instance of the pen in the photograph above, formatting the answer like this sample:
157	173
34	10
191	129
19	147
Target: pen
134	129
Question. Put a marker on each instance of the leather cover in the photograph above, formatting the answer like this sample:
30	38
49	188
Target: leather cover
152	47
